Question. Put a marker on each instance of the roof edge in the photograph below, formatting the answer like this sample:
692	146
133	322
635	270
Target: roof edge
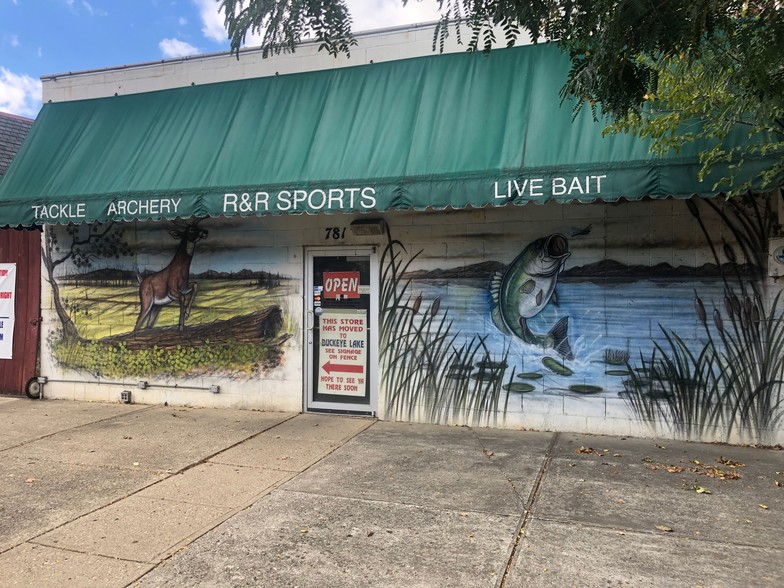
228	53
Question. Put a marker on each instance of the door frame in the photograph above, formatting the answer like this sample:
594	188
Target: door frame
308	404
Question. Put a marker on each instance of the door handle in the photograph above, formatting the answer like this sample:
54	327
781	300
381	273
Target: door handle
312	321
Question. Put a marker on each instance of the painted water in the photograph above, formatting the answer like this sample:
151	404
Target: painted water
606	322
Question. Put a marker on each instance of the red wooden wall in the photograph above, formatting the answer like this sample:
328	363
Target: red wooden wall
22	247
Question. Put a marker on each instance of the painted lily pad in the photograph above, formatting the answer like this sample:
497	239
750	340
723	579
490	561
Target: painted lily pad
585	389
522	387
530	375
456	375
487	364
458	372
556	367
617	372
460	367
486	376
658	393
685	382
636	383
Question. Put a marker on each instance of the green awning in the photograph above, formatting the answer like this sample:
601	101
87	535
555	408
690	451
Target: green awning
432	132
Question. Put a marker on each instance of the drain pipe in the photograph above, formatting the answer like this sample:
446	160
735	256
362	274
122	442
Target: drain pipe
141	385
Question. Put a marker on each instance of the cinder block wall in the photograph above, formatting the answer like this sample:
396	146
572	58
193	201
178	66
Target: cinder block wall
627	290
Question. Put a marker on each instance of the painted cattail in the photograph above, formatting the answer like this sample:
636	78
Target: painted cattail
728	306
436	305
736	304
417	303
699	307
717	320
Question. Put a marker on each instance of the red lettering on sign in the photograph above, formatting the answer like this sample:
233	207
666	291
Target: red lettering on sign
330	367
341	285
6	295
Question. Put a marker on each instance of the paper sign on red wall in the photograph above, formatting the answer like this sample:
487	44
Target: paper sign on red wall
7	296
341	285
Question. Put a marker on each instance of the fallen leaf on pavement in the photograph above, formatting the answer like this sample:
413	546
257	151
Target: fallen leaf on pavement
30	480
721	474
697	488
763	506
730	463
779	484
674	469
647	459
664	528
588	450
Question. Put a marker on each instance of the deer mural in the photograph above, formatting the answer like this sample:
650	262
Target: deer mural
171	283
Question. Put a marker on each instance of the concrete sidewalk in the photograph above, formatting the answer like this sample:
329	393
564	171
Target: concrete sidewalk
117	495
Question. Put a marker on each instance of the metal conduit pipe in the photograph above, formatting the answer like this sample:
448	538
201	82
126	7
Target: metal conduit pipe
141	384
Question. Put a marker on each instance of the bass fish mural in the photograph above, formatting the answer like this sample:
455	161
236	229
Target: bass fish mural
526	287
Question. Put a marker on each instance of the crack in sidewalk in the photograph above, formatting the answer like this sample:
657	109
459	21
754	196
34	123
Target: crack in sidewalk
532	498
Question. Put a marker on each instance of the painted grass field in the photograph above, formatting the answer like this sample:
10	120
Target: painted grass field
102	310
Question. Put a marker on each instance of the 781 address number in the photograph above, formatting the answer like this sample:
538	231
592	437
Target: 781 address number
335	233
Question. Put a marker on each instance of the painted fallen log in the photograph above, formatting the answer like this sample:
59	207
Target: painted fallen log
262	325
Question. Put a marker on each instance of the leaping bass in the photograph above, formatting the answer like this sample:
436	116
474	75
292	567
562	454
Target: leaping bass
526	287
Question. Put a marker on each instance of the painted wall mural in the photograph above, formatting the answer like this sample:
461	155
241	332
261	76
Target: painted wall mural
657	312
693	350
159	301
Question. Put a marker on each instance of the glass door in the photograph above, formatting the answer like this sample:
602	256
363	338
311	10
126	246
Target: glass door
341	346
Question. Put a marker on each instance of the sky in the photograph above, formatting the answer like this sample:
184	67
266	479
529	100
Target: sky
42	37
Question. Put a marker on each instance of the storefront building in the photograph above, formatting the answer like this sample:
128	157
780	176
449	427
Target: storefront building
424	238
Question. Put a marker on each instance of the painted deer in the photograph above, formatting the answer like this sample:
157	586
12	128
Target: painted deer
171	283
